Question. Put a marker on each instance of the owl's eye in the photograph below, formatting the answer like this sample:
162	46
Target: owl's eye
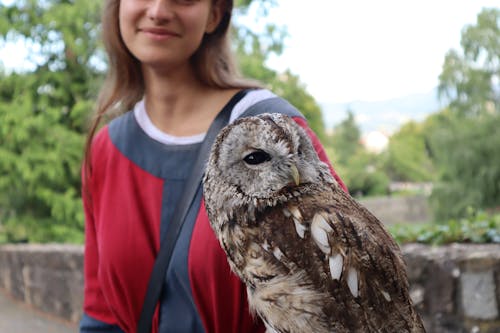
257	157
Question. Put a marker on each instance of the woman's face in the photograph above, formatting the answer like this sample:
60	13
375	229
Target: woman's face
166	33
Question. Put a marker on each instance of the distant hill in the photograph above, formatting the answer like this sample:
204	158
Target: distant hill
386	116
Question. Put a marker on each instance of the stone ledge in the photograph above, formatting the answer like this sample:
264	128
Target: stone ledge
456	288
48	277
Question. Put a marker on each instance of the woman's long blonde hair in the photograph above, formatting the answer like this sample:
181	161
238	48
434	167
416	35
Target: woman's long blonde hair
124	85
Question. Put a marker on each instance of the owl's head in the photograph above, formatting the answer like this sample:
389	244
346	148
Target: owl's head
263	156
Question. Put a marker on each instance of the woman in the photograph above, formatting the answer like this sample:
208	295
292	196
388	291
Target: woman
170	66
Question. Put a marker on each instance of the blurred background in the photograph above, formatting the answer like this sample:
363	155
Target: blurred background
405	97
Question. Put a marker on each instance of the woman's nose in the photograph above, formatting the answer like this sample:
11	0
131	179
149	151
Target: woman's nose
160	10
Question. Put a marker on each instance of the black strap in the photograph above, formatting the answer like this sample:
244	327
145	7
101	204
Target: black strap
193	183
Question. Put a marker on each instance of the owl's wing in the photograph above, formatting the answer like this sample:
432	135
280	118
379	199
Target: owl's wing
322	256
359	251
359	262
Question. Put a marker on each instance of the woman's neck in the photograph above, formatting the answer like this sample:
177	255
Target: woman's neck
179	104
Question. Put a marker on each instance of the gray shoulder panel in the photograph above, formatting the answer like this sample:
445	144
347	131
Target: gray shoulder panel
272	105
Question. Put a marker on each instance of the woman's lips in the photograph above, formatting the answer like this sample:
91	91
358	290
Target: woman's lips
159	33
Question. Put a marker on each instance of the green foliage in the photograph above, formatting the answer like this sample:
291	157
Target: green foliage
288	86
457	148
476	228
346	138
359	169
463	139
407	156
43	115
243	5
363	175
468	155
63	34
39	167
470	79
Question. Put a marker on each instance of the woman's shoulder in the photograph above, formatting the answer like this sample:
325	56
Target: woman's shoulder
104	136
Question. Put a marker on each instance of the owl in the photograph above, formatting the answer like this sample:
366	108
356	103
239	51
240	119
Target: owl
312	258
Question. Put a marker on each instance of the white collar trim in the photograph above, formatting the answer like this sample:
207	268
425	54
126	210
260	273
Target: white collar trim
142	118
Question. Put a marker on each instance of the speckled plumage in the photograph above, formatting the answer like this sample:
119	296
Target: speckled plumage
313	259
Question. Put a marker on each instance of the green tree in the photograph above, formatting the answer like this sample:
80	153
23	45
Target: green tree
407	157
346	138
359	169
464	140
364	175
467	156
470	79
43	115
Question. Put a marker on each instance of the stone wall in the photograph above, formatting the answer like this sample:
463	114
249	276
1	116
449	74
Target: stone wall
47	277
401	209
456	288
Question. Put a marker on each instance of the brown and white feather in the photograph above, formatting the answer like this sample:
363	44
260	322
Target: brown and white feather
313	259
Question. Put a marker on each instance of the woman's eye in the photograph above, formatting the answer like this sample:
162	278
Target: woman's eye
257	157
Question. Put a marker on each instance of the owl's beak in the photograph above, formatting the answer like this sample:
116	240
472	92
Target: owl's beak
295	174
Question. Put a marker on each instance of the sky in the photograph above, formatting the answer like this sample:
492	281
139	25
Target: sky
358	50
371	50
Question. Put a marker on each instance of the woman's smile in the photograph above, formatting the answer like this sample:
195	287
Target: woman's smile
150	27
159	34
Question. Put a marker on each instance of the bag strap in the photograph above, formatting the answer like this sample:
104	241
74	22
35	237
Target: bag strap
272	105
167	246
